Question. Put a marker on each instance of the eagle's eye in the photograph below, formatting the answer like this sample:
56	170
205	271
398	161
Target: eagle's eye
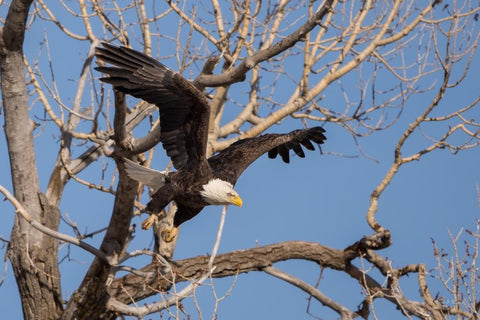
231	194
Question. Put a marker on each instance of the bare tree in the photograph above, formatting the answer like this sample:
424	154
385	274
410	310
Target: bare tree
242	54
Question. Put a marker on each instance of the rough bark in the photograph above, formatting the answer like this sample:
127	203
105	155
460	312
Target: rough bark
102	295
33	255
154	279
160	275
90	300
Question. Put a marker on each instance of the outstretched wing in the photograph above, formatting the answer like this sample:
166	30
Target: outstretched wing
230	163
184	110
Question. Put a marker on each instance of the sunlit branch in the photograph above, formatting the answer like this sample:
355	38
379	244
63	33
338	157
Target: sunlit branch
238	73
52	18
344	312
398	161
48	108
52	233
217	240
114	305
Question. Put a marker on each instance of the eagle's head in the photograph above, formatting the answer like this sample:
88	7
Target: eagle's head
220	192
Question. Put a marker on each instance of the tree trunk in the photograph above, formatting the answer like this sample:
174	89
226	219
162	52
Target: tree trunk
32	254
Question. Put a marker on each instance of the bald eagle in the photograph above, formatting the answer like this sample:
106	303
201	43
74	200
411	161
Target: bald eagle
184	117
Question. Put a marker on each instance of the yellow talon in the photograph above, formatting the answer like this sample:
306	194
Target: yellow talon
148	223
168	235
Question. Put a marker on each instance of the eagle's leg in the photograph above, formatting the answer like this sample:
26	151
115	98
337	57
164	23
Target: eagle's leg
168	235
158	202
148	223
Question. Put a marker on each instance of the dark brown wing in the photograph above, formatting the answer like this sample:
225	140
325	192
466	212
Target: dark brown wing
230	163
184	110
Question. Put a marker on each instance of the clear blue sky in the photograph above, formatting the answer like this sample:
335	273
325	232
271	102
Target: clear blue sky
322	198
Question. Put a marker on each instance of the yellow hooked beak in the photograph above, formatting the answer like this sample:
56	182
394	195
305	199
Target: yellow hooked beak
236	200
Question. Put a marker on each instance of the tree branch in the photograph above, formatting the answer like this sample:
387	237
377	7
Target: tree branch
344	312
238	74
228	264
46	230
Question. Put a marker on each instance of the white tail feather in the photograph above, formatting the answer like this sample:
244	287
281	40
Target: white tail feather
153	178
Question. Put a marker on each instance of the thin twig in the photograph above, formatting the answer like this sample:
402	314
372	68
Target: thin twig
55	234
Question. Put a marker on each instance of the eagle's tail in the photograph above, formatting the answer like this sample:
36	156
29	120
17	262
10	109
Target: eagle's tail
153	178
